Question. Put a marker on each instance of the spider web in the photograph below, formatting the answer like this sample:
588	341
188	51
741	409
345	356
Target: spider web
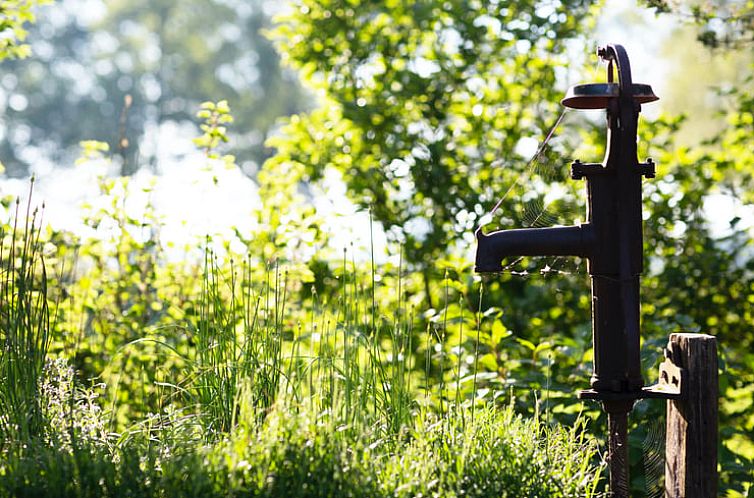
543	195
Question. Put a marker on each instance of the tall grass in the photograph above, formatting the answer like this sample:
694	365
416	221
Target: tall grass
24	327
250	352
279	396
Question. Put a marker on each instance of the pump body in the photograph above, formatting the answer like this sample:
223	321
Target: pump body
611	238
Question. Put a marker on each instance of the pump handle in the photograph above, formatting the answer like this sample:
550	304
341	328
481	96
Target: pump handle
617	54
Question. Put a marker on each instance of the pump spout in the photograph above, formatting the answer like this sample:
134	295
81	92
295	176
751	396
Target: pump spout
492	248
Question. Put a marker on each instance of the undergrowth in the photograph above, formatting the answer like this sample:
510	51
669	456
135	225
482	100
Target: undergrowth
297	454
254	388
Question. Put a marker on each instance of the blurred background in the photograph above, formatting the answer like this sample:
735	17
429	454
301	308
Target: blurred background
132	74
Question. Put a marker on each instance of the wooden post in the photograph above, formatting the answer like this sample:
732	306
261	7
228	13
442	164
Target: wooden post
691	436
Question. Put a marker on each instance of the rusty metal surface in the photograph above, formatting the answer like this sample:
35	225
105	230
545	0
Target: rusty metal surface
669	386
598	95
617	457
611	239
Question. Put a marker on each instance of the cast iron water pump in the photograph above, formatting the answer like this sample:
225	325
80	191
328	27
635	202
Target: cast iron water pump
611	240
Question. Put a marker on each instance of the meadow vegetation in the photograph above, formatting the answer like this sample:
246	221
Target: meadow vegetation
231	376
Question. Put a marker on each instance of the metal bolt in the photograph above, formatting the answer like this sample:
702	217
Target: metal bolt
576	173
650	168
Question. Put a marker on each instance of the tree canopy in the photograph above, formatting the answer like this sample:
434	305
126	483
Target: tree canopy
14	14
424	104
721	23
133	73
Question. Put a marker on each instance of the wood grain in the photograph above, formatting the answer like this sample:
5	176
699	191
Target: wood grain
691	432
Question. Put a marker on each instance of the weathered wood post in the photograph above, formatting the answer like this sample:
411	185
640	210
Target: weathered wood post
691	435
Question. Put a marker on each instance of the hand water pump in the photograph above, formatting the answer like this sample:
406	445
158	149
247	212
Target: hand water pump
611	240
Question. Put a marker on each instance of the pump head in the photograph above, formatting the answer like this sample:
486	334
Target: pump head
598	95
611	237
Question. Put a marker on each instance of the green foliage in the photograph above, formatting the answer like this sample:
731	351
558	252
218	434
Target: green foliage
14	14
25	330
112	285
699	281
215	116
424	104
423	108
720	23
136	71
298	454
264	371
92	150
266	400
